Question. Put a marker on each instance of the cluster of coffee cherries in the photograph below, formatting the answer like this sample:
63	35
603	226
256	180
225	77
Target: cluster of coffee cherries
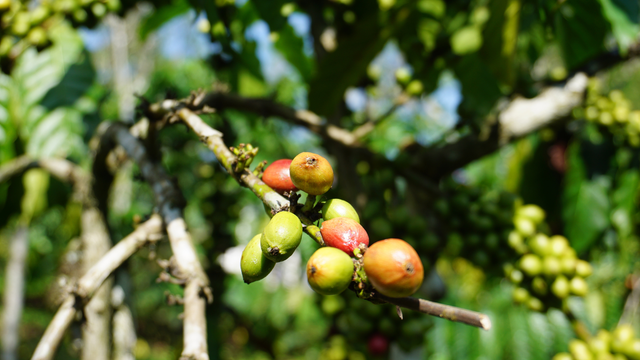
392	267
23	25
612	111
548	270
621	344
477	224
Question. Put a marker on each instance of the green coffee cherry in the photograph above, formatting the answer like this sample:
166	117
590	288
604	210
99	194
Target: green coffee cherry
621	337
560	287
583	268
551	266
531	264
539	286
520	295
568	266
562	356
329	271
535	304
524	226
281	236
578	286
254	265
540	245
531	212
336	208
579	350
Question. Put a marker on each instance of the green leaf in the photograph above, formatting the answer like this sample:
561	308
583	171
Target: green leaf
623	17
75	83
501	32
270	12
586	213
346	65
292	47
160	16
480	88
581	30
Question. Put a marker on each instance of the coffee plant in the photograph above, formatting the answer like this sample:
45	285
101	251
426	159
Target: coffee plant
319	179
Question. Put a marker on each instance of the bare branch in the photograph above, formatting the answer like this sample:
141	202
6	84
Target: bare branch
149	231
169	201
440	310
14	292
632	304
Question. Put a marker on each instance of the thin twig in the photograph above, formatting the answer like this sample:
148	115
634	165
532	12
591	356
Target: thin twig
440	310
14	292
631	305
169	201
149	231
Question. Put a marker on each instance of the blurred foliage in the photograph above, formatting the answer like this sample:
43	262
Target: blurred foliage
425	72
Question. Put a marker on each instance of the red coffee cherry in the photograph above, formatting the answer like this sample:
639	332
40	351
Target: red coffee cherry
393	268
277	176
344	233
311	173
378	344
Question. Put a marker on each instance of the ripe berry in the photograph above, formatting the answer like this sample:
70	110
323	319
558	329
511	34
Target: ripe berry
311	173
393	268
378	345
254	265
277	176
343	233
281	236
329	271
335	208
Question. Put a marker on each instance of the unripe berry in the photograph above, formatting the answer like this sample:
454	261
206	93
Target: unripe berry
277	176
281	236
254	265
579	349
520	295
344	233
560	287
393	268
531	264
336	208
329	271
583	268
311	173
578	286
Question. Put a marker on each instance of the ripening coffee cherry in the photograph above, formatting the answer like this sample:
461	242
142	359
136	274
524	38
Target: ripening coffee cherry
393	268
336	208
311	173
281	236
329	271
254	265
344	233
277	176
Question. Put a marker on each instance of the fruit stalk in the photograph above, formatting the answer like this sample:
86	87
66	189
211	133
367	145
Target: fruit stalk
448	312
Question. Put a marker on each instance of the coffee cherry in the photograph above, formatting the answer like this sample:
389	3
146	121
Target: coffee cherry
535	304
520	295
560	287
393	268
568	265
277	176
540	245
551	266
335	208
254	265
311	173
531	212
578	286
562	356
531	264
583	268
632	349
378	345
344	233
598	345
329	271
281	236
579	349
621	337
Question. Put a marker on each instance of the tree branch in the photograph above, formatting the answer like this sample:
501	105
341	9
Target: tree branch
188	267
149	231
440	310
14	292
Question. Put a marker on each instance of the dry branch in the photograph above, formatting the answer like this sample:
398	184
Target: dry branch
149	231
169	201
14	292
440	310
